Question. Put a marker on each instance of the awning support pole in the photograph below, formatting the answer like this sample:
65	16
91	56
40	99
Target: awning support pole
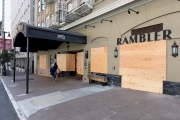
27	71
14	64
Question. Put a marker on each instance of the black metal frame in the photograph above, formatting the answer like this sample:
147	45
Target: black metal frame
89	26
105	20
137	12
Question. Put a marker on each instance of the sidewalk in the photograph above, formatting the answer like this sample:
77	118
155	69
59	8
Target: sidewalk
71	99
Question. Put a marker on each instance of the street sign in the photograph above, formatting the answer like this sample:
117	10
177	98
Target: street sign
8	44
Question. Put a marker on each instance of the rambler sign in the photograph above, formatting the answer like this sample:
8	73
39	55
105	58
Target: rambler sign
147	37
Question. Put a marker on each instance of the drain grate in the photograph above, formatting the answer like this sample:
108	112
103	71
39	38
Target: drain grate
23	79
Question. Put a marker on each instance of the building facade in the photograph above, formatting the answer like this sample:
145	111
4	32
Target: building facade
22	11
6	14
128	41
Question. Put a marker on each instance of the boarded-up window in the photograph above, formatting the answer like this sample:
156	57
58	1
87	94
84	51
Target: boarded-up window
99	60
42	62
143	65
66	62
79	63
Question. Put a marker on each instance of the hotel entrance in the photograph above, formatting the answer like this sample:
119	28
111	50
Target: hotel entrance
70	63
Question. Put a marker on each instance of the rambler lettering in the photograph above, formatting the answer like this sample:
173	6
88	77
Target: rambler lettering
61	37
147	37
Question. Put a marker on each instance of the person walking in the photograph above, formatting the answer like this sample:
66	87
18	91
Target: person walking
52	72
55	67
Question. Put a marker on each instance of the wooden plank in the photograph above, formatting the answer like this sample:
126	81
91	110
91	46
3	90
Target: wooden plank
99	59
79	63
143	65
61	61
42	61
70	62
97	78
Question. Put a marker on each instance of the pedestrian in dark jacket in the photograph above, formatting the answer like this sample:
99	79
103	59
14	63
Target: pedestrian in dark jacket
52	72
55	67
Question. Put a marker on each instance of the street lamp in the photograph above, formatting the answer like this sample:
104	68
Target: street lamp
4	57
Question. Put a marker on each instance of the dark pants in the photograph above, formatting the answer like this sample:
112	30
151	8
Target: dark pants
54	76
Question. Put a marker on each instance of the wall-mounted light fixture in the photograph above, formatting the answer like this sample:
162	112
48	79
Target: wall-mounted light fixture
86	54
137	12
115	52
105	20
89	26
174	49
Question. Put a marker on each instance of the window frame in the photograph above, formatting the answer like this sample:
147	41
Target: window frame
42	5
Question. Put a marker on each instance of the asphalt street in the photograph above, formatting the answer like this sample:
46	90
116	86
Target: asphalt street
7	111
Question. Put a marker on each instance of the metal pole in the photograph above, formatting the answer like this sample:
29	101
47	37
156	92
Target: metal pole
27	72
4	69
14	64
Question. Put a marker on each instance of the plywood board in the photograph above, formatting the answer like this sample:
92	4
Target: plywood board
143	65
79	63
70	62
61	61
99	60
42	61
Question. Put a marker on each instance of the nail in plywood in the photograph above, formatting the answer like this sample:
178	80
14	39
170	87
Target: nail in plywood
66	62
79	63
99	60
42	62
143	65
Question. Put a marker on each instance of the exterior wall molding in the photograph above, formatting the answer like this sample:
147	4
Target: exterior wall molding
104	10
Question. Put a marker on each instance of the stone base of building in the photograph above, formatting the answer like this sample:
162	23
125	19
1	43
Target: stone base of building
113	80
171	88
67	73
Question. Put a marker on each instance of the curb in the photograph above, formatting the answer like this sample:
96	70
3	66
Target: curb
14	103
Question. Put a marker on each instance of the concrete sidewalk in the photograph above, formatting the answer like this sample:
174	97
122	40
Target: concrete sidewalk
71	99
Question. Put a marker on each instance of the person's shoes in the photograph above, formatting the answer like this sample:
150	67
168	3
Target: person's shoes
55	80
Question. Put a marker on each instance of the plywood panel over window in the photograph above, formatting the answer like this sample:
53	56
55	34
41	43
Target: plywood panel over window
70	62
42	62
66	62
99	60
61	61
143	65
79	63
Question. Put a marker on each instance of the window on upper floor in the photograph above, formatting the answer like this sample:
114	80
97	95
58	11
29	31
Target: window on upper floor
42	5
70	7
95	1
39	6
33	14
33	2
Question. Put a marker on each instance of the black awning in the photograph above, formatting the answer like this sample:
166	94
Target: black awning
42	38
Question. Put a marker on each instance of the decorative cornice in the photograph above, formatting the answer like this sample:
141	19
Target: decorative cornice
102	11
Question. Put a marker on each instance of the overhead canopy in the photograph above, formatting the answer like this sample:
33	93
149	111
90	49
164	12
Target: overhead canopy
42	38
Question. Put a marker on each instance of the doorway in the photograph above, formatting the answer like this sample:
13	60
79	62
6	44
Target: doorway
70	63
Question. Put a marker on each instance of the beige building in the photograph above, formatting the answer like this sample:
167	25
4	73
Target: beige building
129	42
